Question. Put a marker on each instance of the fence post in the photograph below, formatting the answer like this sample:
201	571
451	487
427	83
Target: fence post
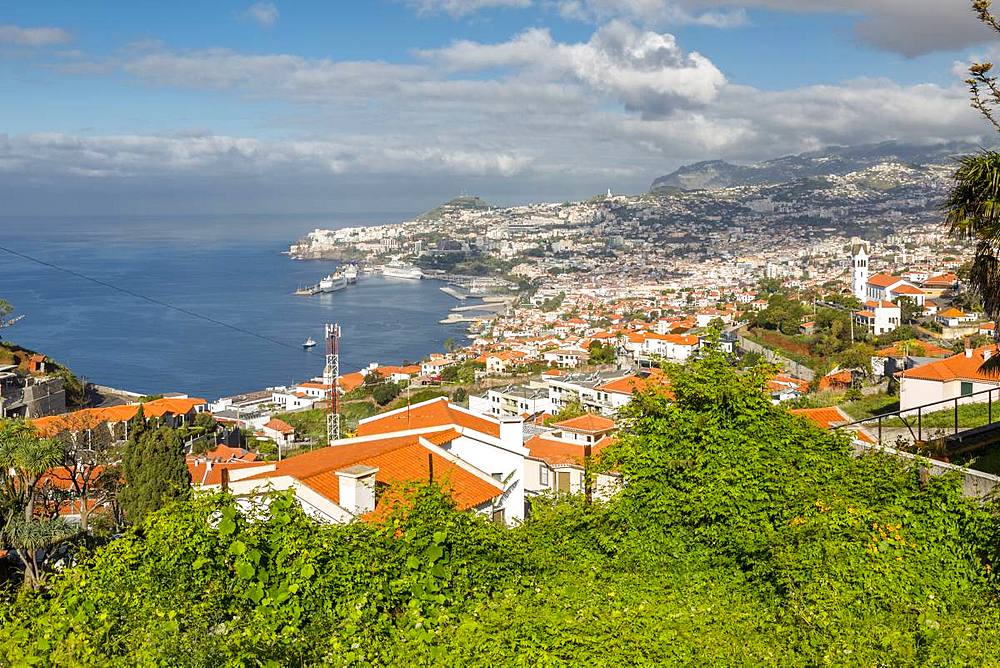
920	429
956	415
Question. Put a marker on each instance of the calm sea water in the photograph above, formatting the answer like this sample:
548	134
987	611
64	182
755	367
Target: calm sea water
228	268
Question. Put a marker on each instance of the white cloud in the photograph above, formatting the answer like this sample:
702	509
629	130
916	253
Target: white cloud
264	14
528	116
33	37
657	13
646	71
458	8
909	27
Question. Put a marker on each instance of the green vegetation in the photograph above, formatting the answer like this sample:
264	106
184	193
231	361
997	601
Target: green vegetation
552	303
571	409
154	467
33	534
601	353
746	536
384	394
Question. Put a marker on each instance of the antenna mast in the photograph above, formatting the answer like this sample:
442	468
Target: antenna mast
331	377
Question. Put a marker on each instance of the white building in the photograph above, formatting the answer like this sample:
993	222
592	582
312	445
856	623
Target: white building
478	459
513	400
953	377
860	253
558	458
878	317
887	288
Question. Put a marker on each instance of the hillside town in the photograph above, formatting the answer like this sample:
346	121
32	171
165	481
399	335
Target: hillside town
853	327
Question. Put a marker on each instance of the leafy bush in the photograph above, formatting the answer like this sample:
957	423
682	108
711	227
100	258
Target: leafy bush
384	394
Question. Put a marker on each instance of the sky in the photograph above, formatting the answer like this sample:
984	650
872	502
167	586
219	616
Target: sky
396	105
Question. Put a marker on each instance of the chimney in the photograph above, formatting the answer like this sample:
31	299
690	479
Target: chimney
968	349
357	488
512	432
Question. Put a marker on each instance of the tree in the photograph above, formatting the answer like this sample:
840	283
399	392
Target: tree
908	310
601	353
385	393
973	205
858	356
459	395
90	459
155	472
24	459
571	409
449	345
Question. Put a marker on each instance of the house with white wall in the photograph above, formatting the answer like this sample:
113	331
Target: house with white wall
558	458
888	288
513	400
956	377
878	317
493	446
354	478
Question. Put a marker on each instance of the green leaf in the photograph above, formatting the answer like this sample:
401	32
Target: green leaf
245	569
227	527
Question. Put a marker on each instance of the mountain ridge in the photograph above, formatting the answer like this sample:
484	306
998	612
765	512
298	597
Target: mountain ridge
832	160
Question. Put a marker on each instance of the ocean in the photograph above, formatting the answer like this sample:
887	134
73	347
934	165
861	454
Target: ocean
228	268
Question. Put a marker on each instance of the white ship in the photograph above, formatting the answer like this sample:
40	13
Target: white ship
333	282
351	273
309	343
401	270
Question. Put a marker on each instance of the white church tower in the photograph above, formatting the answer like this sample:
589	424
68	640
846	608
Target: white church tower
859	267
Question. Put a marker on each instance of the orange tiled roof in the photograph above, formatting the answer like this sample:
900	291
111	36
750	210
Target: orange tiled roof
826	417
883	280
944	280
631	384
434	413
399	459
830	417
952	313
351	381
956	367
197	468
280	426
907	289
556	452
589	423
91	418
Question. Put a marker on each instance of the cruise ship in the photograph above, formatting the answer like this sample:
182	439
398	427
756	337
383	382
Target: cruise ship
333	282
401	270
351	273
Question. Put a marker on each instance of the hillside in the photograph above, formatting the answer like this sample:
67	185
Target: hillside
463	202
831	161
746	536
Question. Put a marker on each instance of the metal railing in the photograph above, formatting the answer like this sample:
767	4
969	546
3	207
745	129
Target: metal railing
906	415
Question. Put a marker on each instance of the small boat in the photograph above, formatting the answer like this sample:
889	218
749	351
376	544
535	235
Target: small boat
309	343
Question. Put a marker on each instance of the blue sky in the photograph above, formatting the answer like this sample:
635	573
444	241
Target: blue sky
314	106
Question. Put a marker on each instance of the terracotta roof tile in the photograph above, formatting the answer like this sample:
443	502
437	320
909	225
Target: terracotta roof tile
434	413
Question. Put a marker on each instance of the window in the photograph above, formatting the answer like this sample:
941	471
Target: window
543	476
498	477
966	388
